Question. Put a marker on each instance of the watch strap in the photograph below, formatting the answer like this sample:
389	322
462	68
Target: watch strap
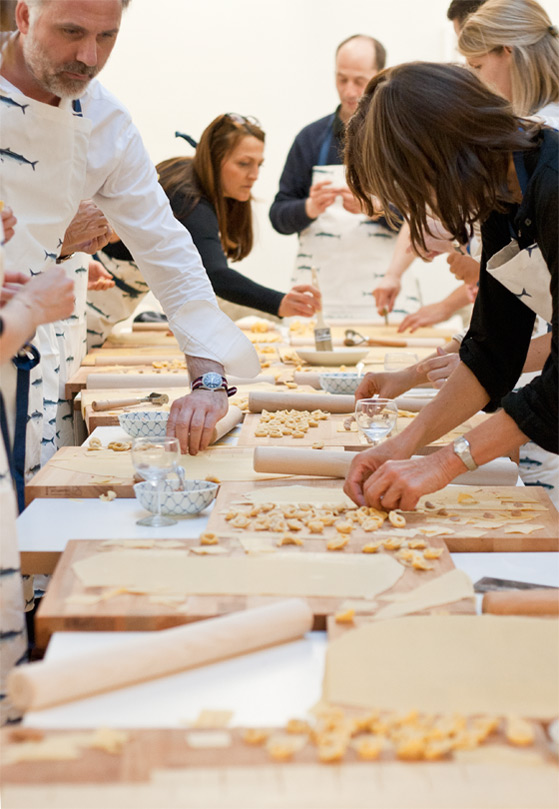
198	384
461	447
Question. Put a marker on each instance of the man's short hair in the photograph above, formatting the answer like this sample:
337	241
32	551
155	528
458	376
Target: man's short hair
379	49
460	9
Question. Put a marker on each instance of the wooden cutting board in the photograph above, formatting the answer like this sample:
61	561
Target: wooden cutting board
132	612
66	473
148	351
531	503
378	331
160	768
333	434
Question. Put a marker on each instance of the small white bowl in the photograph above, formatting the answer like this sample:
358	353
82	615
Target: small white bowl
195	498
339	356
340	382
144	423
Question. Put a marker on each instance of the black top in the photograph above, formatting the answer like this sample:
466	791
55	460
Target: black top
229	284
497	342
287	213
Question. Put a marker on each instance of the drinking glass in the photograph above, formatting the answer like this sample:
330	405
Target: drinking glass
398	360
153	459
376	418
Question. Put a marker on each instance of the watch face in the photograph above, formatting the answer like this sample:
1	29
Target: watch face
211	380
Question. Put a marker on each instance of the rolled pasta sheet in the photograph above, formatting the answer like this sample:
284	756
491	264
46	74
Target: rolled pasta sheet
43	684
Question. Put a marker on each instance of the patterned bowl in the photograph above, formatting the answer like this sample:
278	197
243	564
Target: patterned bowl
340	382
197	495
144	422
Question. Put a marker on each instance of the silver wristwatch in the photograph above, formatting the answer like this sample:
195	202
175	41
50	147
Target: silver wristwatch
461	448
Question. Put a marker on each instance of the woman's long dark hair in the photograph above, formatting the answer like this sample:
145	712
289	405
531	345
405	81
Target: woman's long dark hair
431	139
186	180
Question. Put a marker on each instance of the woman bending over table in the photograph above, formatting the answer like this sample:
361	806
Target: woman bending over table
431	139
210	194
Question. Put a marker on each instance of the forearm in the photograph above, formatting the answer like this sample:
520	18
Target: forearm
402	257
458	400
198	366
456	300
498	436
538	352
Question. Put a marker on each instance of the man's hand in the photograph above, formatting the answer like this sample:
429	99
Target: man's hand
321	196
386	292
302	300
350	203
8	224
99	279
88	231
464	267
193	418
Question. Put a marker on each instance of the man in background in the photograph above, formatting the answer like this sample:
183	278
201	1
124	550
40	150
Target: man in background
348	249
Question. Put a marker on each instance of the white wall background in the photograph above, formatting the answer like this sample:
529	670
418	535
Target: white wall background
179	63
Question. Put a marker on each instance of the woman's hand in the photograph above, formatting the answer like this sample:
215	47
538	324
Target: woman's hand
465	268
426	316
400	484
365	464
302	300
8	224
438	369
13	284
388	385
386	292
88	231
99	279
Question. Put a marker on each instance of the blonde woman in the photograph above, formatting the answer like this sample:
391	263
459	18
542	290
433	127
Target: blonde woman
514	48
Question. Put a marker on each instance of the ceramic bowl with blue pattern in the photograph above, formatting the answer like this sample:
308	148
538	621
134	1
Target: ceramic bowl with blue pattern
149	423
340	382
198	494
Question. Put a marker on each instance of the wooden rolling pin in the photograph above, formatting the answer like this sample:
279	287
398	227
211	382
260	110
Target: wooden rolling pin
335	464
40	685
522	602
225	425
162	380
140	359
257	402
284	460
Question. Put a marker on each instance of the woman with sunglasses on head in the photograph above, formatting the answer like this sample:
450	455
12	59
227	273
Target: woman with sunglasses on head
430	139
210	194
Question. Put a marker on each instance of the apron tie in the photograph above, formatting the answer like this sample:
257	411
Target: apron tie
25	360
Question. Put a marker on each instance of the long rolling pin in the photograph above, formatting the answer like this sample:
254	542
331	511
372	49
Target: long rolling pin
115	404
522	602
140	359
334	463
39	685
284	460
258	401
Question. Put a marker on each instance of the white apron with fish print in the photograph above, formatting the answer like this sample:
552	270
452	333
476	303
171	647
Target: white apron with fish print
351	254
43	153
526	275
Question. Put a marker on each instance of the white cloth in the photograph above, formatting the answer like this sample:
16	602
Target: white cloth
351	253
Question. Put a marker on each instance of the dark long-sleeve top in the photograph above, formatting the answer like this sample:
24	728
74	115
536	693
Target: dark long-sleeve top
229	284
287	213
497	342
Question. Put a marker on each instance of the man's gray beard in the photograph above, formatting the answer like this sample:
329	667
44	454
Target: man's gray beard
39	67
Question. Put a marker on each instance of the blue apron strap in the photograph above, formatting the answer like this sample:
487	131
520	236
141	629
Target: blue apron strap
25	361
77	107
326	143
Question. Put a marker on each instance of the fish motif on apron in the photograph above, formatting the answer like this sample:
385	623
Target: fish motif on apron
43	154
351	253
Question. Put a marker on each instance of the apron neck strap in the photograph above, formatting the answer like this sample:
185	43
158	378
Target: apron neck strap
77	107
326	143
521	172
